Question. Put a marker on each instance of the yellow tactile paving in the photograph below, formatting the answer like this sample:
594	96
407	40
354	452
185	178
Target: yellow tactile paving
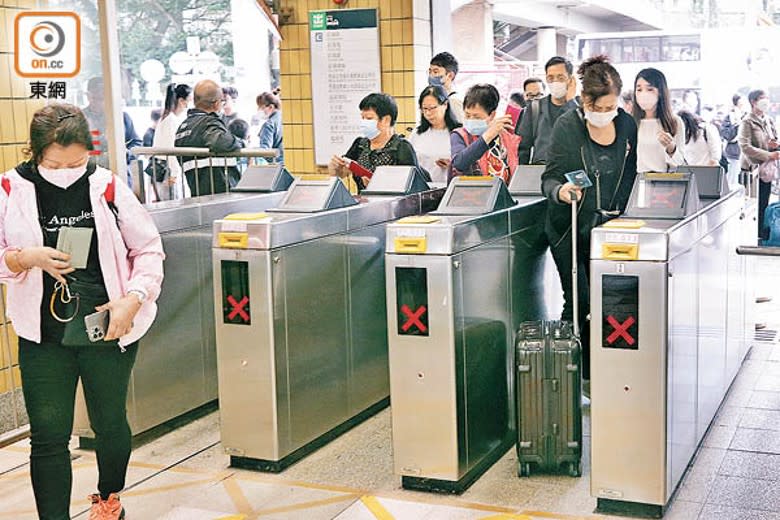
376	508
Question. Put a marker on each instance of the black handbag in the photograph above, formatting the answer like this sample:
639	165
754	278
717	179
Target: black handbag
70	303
158	169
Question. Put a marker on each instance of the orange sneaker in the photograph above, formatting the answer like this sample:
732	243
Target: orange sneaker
109	509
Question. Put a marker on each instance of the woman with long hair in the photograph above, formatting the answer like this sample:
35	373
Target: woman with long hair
702	140
661	134
177	97
431	139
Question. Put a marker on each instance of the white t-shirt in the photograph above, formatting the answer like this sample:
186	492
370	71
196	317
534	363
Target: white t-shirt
430	146
650	153
701	151
456	107
165	137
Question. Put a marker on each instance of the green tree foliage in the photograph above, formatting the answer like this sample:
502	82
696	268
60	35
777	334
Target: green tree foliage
158	28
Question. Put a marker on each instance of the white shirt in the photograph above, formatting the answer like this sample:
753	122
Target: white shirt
650	153
165	137
704	152
456	107
430	146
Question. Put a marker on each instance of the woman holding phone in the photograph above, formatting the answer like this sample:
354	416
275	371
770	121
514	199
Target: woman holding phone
600	139
431	140
487	144
50	302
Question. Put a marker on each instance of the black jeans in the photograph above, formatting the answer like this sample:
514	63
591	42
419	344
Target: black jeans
562	254
49	375
764	191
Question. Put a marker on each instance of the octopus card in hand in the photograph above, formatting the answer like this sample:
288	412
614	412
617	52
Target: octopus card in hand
579	178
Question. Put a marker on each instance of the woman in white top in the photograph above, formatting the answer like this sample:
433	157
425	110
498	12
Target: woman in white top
177	97
702	140
661	135
431	140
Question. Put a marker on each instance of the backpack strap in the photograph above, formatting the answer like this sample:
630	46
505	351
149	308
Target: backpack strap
110	195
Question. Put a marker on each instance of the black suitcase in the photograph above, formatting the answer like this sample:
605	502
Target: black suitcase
548	383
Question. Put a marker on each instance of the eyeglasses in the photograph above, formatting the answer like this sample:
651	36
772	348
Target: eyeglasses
560	77
429	109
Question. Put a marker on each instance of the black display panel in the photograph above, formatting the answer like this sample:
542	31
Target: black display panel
411	292
307	196
620	312
235	292
470	196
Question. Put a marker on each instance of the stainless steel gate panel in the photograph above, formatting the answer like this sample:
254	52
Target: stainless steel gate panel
626	410
176	368
248	419
422	376
713	302
369	378
682	386
311	350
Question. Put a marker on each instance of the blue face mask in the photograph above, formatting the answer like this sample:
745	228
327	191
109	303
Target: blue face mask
475	126
368	128
436	81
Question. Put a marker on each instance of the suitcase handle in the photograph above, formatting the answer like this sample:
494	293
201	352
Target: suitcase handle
574	288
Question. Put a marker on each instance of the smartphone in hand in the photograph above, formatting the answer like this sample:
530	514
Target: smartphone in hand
97	325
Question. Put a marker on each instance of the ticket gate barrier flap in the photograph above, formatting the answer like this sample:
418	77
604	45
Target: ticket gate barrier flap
688	294
185	323
316	363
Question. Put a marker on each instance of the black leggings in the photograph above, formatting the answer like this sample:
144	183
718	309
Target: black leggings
562	254
49	375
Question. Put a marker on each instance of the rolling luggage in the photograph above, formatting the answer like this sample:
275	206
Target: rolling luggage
548	383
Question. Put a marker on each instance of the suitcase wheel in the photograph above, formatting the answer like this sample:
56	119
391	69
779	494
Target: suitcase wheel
524	469
575	469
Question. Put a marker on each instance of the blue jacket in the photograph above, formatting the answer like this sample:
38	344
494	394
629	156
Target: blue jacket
271	134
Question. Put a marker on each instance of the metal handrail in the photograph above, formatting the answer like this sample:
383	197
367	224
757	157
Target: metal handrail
266	153
201	154
758	250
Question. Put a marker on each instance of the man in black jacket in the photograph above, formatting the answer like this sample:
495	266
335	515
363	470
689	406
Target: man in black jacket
204	128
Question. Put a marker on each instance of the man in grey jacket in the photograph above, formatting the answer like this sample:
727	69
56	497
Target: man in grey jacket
539	116
205	128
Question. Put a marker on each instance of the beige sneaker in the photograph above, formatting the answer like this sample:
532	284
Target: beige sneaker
109	509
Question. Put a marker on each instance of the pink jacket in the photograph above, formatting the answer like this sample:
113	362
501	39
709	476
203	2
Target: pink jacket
129	259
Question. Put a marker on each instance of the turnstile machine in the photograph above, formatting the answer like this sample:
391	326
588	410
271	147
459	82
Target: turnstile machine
668	335
459	282
175	374
300	311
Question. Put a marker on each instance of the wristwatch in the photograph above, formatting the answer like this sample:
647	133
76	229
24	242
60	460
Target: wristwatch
139	293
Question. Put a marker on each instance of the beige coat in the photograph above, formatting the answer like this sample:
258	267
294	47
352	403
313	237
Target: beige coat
754	136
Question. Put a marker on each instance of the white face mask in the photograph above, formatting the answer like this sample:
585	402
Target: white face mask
646	100
600	119
763	104
558	89
62	177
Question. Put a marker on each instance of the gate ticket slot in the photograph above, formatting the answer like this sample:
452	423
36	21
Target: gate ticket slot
672	196
475	196
314	195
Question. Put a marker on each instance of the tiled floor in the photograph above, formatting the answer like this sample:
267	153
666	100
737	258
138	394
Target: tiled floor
185	475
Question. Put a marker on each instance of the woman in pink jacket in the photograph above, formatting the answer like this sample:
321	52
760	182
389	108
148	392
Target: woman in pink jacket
115	265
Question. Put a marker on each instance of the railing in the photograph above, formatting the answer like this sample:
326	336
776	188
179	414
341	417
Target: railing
197	171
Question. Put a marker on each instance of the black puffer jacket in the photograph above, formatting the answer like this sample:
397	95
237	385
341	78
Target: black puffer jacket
570	151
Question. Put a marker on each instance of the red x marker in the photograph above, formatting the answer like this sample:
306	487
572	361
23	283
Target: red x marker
621	330
414	318
238	308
